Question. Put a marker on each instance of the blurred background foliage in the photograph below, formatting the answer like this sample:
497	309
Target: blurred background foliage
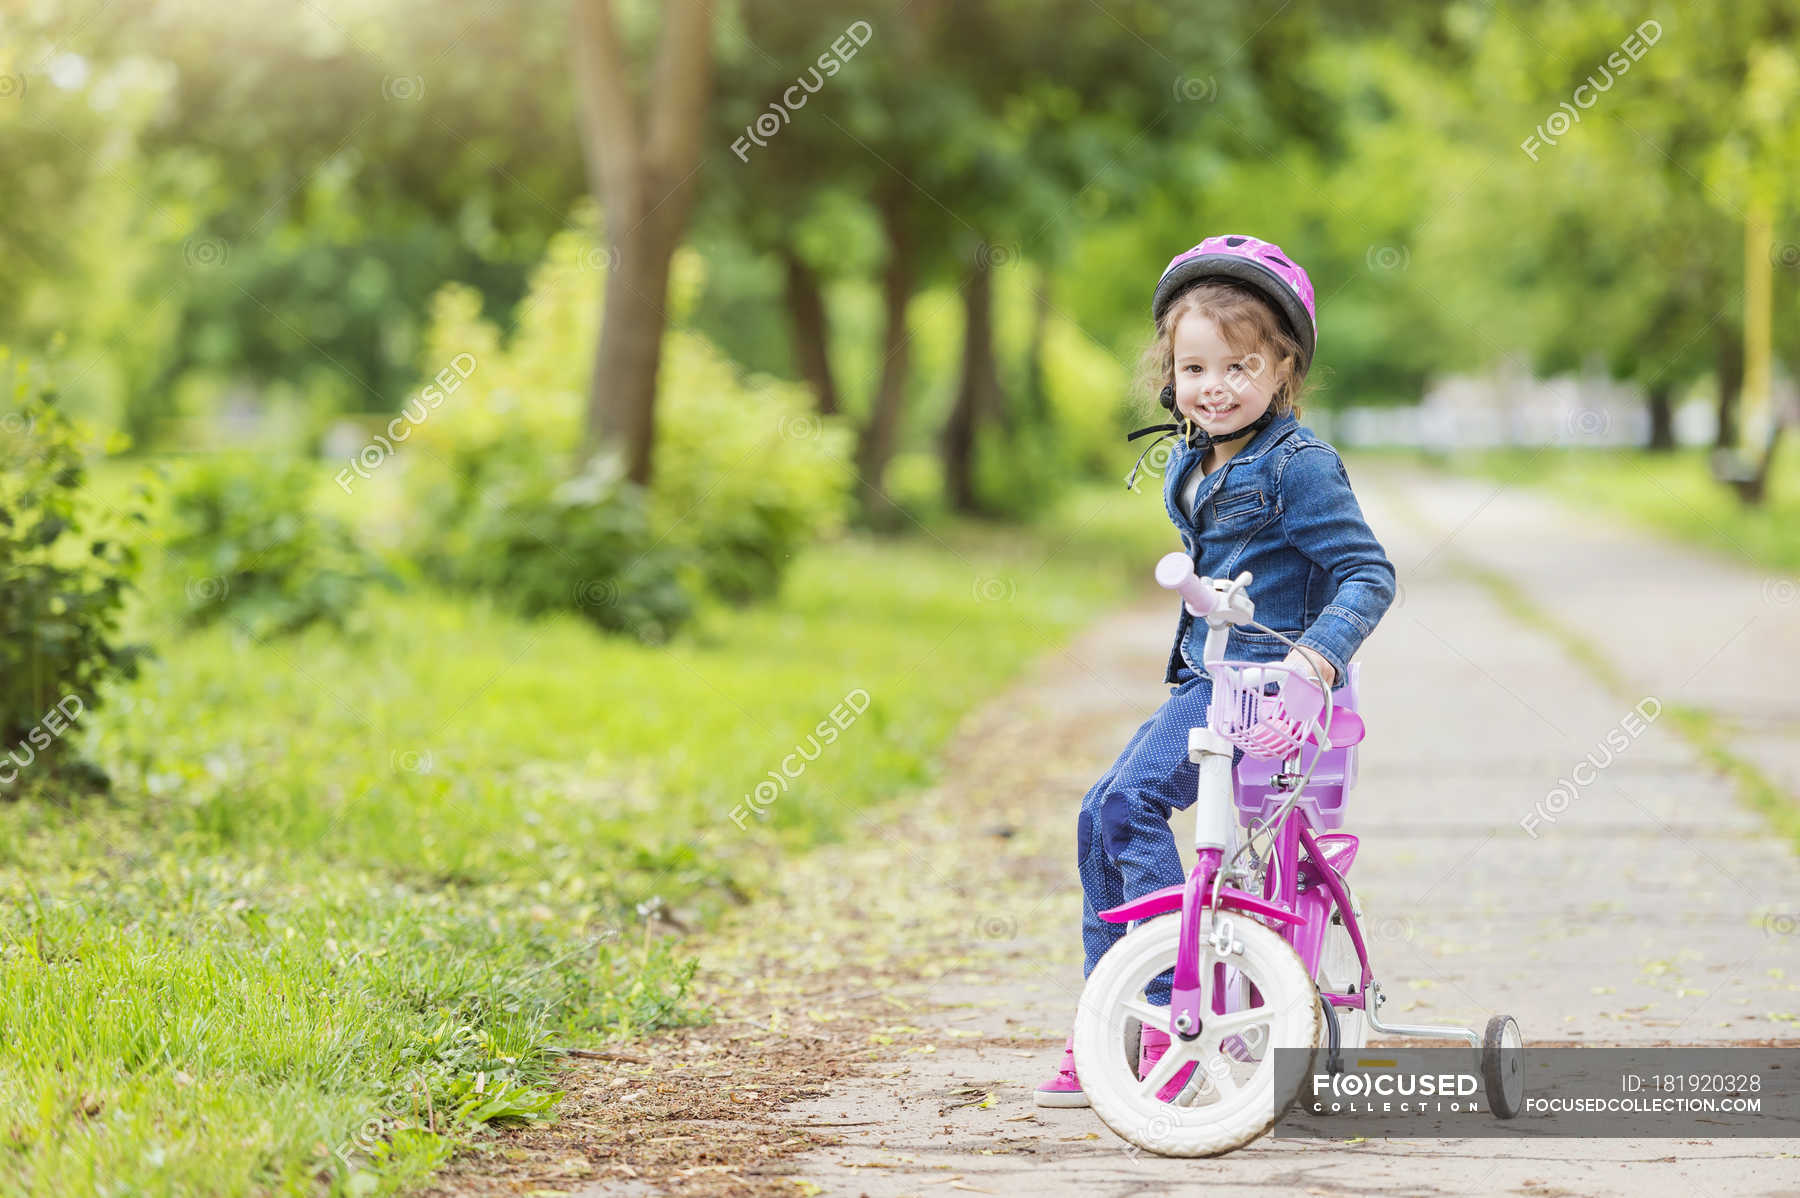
260	224
513	427
617	308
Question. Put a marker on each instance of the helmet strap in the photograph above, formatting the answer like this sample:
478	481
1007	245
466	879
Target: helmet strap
1195	436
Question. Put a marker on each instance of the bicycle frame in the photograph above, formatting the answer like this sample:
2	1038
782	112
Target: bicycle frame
1303	881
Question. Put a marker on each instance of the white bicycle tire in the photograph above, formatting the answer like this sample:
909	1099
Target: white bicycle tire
1215	1117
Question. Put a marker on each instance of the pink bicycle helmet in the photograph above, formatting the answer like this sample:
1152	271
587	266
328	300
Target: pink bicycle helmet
1260	265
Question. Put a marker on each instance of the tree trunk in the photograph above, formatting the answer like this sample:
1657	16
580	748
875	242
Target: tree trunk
1730	368
1662	417
641	167
1756	417
1756	491
812	346
1038	410
1759	426
622	386
875	445
978	391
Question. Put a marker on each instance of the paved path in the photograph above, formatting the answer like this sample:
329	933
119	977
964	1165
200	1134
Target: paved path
1650	906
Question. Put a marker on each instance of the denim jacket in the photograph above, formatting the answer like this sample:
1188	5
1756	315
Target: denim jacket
1282	509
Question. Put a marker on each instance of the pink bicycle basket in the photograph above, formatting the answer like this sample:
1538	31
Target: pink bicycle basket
1264	708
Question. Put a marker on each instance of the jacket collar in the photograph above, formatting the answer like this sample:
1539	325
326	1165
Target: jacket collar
1267	439
1264	441
1190	459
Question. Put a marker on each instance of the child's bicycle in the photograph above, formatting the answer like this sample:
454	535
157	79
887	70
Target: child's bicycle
1266	946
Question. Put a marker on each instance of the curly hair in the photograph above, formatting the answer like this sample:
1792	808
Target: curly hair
1249	325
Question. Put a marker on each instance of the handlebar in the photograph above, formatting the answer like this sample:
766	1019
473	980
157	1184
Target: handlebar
1252	727
1204	594
1230	599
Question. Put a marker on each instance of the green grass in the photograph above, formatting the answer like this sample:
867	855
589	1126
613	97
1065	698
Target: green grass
1672	493
349	891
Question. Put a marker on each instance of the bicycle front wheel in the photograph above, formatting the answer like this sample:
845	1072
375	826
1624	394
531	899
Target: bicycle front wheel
1224	1088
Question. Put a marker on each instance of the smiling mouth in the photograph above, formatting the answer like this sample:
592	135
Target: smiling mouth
1221	409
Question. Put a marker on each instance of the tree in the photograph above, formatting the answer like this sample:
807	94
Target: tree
878	125
1749	164
643	152
265	197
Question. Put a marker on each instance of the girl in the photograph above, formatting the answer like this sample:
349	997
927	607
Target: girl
1248	488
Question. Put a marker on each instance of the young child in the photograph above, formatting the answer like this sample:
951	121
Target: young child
1248	488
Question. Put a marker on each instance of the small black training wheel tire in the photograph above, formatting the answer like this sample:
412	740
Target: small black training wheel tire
1503	1066
1334	1043
1333	1050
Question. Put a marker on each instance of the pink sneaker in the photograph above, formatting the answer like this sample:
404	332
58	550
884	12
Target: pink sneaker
1063	1090
1152	1043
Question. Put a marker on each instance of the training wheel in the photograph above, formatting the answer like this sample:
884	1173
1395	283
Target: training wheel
1503	1066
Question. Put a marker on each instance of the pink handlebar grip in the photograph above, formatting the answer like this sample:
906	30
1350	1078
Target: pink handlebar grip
1176	573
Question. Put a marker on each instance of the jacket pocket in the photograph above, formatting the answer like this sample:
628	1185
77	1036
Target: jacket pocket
1240	507
1259	646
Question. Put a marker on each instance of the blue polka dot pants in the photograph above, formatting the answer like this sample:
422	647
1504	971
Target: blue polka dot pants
1124	848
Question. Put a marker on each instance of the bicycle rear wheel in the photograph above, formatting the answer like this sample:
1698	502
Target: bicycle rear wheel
1340	971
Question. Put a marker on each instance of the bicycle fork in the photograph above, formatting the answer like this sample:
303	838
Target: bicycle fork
1215	830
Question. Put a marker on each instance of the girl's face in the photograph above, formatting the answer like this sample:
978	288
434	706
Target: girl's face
1217	389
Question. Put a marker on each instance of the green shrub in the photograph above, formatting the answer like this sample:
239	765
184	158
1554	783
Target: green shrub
249	547
1022	475
745	471
63	578
580	544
